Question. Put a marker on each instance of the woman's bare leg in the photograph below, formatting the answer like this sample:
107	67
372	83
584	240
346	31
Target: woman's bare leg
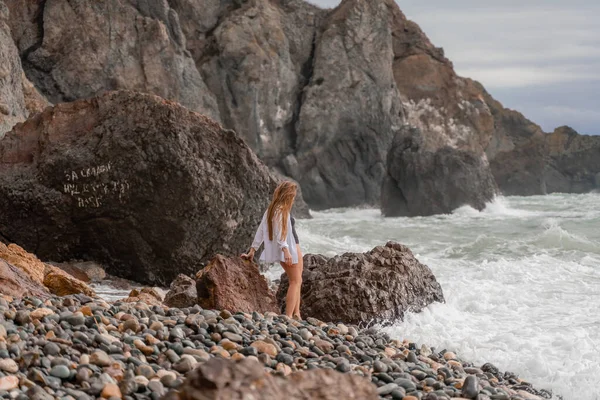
300	267
293	291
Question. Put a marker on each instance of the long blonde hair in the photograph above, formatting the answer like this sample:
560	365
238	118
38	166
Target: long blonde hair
281	205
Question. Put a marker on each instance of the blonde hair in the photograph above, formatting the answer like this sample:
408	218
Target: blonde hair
281	205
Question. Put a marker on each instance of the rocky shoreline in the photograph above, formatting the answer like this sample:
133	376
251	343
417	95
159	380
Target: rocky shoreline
220	332
79	347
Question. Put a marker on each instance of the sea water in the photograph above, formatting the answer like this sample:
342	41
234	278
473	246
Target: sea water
521	281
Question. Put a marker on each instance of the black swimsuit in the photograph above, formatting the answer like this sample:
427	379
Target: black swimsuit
294	230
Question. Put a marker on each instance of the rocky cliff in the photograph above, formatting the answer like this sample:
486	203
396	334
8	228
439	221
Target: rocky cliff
18	97
320	95
574	165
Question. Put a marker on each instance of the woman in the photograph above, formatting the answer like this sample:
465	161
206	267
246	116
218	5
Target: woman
277	231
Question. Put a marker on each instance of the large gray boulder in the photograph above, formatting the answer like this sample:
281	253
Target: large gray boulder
423	181
377	286
142	185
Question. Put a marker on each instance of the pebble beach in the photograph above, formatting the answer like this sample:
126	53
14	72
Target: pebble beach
78	348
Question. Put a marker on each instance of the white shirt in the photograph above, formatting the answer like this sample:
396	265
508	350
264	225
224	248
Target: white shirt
273	251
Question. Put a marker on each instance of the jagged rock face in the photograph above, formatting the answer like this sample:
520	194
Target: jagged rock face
257	61
246	379
142	185
449	110
350	109
380	286
517	151
574	165
438	162
424	182
77	50
13	107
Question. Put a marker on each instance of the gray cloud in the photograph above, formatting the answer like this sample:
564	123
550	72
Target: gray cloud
541	57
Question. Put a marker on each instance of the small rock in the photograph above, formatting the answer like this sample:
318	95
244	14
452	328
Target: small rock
470	388
51	349
234	337
111	390
266	348
9	365
100	358
386	389
378	366
9	382
60	371
156	387
449	356
40	313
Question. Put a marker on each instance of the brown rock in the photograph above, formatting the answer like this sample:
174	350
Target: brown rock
86	310
182	292
88	271
234	284
40	313
103	199
379	285
111	390
263	347
224	379
324	345
9	382
62	284
26	262
14	282
73	271
145	295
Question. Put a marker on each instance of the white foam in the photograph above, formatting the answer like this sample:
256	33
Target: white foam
521	281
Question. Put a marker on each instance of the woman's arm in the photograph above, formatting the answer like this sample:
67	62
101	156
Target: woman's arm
259	236
258	240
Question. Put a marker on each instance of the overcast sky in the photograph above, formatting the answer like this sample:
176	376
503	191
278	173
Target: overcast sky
541	57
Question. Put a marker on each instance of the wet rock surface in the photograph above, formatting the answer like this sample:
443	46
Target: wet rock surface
380	285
